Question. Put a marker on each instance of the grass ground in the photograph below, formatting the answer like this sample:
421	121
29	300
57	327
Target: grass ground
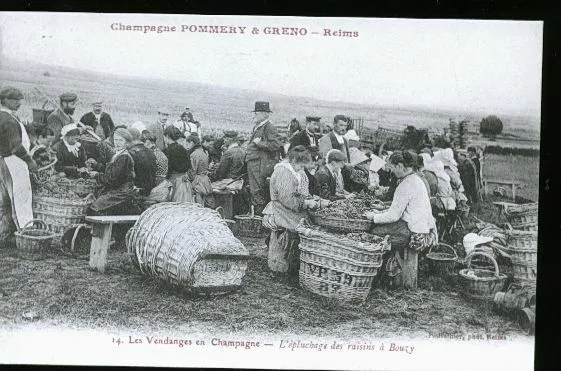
524	169
64	292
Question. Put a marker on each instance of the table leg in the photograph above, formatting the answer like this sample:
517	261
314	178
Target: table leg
101	236
514	192
409	267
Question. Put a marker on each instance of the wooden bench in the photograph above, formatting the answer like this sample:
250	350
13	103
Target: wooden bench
101	236
510	183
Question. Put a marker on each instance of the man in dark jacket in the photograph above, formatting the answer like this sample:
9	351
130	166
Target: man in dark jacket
59	118
144	164
232	163
101	122
468	175
261	156
307	138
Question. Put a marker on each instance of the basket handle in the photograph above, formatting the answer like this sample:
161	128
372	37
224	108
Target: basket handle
48	166
472	254
80	226
509	227
445	245
220	211
31	223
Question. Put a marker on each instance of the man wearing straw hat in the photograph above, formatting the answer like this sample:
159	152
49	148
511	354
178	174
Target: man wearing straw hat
261	155
15	163
62	115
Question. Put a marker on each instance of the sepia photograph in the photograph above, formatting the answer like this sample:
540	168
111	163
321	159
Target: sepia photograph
269	192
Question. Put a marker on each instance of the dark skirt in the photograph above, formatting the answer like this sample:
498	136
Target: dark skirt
115	202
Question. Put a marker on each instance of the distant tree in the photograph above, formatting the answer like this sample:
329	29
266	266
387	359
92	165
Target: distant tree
47	74
491	126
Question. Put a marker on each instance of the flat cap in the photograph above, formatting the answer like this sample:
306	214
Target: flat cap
231	134
97	103
11	93
163	111
313	118
68	97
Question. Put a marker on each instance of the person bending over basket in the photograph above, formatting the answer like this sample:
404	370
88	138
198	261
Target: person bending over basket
71	156
409	220
290	202
329	180
118	181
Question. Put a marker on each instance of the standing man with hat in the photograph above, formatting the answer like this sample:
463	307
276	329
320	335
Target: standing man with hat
62	115
335	139
101	124
15	163
157	129
262	155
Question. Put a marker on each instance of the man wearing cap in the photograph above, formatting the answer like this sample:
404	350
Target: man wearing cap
335	139
307	136
63	115
187	126
157	129
101	122
262	155
15	163
232	164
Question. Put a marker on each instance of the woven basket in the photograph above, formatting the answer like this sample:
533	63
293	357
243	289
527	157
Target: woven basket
62	206
522	240
518	214
528	227
249	225
33	242
341	225
188	246
55	219
442	263
81	189
483	284
339	267
525	272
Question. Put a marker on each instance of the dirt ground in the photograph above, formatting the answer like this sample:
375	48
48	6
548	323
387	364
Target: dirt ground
63	291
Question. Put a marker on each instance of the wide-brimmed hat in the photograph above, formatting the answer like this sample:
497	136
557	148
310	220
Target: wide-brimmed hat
262	107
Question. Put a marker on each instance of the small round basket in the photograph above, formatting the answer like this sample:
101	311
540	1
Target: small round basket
31	242
442	263
481	284
341	225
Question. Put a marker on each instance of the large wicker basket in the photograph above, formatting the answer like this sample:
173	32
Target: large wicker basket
188	246
341	225
522	214
62	206
481	284
337	267
79	187
33	242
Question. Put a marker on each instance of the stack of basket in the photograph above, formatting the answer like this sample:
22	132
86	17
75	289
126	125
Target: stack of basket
335	266
188	246
523	241
61	211
469	131
454	131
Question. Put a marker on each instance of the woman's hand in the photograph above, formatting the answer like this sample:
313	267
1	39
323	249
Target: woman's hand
310	204
369	215
349	195
372	187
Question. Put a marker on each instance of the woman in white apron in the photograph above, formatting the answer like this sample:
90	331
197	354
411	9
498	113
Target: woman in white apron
15	161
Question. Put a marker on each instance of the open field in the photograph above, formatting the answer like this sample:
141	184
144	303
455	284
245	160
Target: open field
524	169
130	99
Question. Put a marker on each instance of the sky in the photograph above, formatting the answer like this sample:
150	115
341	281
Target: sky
457	64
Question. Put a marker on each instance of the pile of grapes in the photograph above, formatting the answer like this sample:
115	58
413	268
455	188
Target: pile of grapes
352	208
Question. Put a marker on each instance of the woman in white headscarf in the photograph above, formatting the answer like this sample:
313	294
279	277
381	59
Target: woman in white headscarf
445	197
446	156
71	155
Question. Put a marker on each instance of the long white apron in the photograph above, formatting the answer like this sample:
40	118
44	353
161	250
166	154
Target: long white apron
21	204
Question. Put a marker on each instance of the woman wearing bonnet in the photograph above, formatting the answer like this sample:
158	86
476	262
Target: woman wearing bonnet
71	156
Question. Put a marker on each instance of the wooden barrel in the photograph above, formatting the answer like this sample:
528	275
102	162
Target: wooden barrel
188	246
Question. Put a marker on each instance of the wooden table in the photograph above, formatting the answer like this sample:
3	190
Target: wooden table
510	183
101	236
